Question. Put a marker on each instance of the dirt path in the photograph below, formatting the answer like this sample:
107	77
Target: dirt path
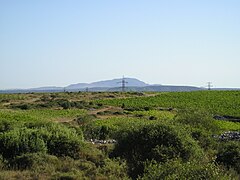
63	120
109	108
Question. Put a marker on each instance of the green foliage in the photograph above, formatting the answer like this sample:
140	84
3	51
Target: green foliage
62	145
229	155
113	169
37	115
200	125
228	126
161	136
197	119
7	125
155	142
22	106
81	104
48	101
108	169
41	137
204	138
214	102
84	119
61	141
33	161
12	97
65	104
20	141
114	127
160	115
104	132
176	169
68	176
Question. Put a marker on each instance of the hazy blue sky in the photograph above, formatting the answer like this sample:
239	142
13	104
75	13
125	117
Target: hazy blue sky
59	42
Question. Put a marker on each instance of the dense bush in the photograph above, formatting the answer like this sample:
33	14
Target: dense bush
113	169
197	119
104	132
21	106
161	136
7	125
84	119
20	141
61	141
157	142
64	146
204	138
33	161
176	169
49	102
80	104
65	105
109	169
52	138
229	155
201	125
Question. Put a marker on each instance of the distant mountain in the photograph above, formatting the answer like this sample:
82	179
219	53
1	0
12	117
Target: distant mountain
159	88
133	84
77	86
47	88
226	89
108	84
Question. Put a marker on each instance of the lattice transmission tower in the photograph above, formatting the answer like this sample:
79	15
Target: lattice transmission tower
209	85
123	82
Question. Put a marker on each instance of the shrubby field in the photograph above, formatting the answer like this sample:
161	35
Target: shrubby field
113	135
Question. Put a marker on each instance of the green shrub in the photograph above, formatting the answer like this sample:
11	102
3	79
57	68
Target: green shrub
229	155
21	106
64	146
204	138
41	137
92	154
113	169
85	119
104	132
33	161
176	169
20	141
69	176
66	105
80	104
7	125
54	129
158	142
2	164
61	140
198	119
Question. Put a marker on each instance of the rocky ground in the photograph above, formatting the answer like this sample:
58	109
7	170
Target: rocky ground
229	136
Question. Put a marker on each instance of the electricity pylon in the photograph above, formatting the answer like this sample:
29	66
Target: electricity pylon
123	82
209	84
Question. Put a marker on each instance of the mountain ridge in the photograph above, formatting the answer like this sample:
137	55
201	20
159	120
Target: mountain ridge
132	84
108	83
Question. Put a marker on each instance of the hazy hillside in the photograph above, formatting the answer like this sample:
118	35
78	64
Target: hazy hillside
159	88
108	84
132	84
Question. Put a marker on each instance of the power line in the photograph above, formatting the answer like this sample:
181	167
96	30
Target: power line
123	82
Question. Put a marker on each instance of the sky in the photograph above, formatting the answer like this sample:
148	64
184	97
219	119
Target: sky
172	42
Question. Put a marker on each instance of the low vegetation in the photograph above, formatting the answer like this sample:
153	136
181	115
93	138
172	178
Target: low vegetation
119	135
